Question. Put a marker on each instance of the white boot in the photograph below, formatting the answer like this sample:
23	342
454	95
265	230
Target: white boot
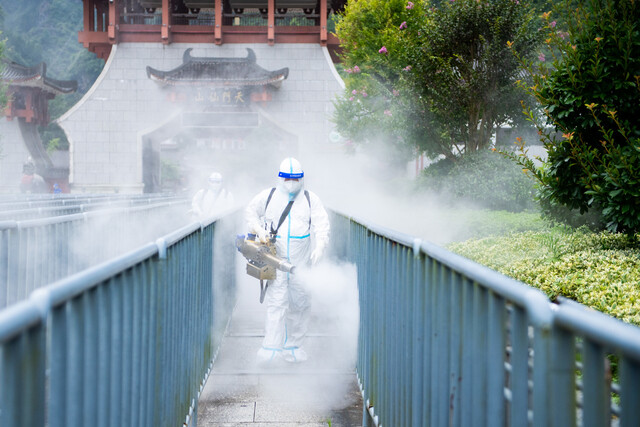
294	354
266	356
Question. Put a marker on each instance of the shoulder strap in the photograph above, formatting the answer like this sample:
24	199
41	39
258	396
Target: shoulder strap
287	209
306	194
269	198
285	212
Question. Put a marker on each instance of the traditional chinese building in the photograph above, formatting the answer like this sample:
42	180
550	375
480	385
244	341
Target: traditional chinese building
197	85
28	91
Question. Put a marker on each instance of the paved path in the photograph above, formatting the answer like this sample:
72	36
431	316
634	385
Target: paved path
320	392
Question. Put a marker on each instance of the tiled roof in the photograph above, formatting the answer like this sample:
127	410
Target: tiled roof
15	74
223	72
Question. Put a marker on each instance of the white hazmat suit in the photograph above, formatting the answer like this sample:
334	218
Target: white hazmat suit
213	199
286	300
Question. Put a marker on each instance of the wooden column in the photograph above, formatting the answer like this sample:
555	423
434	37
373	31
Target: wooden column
271	22
217	32
323	22
165	30
113	25
28	109
87	15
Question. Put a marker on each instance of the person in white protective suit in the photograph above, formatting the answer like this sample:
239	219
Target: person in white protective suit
287	302
213	199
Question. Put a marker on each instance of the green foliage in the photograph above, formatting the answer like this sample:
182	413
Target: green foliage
600	270
435	79
53	137
53	145
486	179
47	31
462	66
590	92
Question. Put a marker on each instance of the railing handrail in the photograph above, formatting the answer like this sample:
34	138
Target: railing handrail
53	317
468	345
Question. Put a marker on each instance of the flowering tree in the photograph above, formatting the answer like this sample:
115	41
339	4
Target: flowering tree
443	76
374	36
589	89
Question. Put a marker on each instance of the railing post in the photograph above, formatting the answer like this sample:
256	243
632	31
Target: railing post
542	417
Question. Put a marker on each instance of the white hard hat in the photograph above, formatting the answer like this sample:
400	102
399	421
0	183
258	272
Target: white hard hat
291	176
291	168
215	178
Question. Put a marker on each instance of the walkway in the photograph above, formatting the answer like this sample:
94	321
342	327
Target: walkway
320	392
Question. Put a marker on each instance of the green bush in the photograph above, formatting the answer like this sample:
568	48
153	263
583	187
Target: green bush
590	91
486	179
600	270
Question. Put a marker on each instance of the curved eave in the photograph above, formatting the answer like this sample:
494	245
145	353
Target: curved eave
15	74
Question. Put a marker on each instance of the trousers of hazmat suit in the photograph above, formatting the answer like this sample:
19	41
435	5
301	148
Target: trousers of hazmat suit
287	302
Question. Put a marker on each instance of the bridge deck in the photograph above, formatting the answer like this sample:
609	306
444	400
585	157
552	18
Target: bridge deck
322	391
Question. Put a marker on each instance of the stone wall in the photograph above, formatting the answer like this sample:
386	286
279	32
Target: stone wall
13	154
106	128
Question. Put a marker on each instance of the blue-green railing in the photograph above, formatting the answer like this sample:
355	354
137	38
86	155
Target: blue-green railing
446	342
37	252
128	342
443	341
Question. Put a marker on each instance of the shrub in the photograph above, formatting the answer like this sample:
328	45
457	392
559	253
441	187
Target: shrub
600	270
485	179
590	93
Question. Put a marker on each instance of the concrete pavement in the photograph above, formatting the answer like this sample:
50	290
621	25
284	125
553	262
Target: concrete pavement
322	391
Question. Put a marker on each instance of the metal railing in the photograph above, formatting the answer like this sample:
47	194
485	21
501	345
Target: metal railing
128	342
446	342
443	340
36	252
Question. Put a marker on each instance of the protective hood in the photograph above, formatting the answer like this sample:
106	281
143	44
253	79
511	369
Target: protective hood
290	177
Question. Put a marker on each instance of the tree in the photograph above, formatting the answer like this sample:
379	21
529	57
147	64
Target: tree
590	91
46	31
443	75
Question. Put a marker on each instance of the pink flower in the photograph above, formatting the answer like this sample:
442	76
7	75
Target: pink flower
552	24
364	94
354	92
395	93
387	113
541	57
383	50
351	98
403	25
407	68
348	70
410	5
356	69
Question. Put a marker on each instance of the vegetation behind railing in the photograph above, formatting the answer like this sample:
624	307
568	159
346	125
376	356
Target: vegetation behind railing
446	341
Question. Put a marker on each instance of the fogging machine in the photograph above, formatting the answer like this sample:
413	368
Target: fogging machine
262	261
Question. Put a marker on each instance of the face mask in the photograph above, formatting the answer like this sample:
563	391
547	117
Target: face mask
215	186
292	187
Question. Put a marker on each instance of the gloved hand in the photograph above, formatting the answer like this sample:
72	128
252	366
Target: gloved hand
262	235
316	255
